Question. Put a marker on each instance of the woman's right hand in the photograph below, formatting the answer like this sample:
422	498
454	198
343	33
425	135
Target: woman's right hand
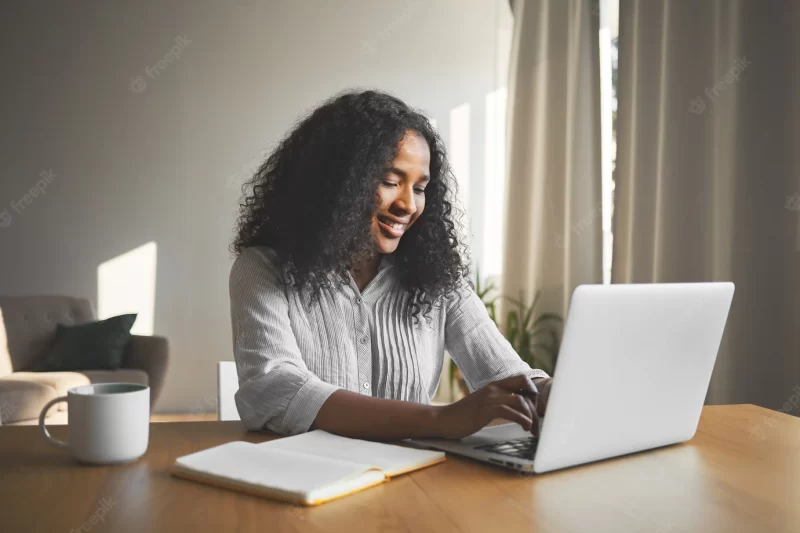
512	399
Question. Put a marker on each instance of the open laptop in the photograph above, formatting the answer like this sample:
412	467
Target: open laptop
633	372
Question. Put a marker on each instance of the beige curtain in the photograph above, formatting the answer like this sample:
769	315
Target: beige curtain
553	225
708	173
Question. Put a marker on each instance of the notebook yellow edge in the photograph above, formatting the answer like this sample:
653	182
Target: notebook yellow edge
216	482
426	465
220	483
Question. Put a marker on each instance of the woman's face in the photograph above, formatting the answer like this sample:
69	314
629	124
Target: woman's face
401	192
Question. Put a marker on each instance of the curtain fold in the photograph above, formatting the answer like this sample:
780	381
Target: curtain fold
553	222
707	168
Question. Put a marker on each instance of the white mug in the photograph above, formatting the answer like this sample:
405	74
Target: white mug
108	423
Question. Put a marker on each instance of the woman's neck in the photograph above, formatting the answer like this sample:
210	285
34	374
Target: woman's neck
365	271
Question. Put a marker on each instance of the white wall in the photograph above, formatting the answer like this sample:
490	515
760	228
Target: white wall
161	164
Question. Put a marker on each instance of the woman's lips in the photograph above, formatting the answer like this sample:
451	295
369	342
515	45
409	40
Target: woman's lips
393	229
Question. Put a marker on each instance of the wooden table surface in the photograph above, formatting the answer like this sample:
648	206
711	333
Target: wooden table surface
740	473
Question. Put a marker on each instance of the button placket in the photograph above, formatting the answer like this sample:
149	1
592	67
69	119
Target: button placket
364	349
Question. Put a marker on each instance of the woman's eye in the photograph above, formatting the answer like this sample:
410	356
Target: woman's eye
419	191
389	184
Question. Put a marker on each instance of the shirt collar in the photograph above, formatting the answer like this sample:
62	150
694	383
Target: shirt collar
387	261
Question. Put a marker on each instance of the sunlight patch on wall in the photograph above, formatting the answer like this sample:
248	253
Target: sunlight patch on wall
460	154
127	284
494	183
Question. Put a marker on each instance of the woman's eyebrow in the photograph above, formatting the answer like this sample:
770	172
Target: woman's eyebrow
404	175
400	173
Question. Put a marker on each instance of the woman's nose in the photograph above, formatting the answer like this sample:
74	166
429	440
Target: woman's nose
405	200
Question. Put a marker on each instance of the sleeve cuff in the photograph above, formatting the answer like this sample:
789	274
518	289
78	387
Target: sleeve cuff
305	405
537	373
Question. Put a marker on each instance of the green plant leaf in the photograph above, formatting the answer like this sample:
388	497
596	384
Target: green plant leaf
530	310
556	340
545	317
535	337
513	301
523	315
541	346
512	325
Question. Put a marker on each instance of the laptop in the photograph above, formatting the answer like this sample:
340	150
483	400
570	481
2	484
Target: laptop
633	372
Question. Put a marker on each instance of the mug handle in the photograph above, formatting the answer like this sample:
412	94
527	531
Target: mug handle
52	440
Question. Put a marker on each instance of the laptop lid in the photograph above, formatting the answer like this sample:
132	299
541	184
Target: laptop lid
633	370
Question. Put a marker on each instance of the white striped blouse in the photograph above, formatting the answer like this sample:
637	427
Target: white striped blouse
291	355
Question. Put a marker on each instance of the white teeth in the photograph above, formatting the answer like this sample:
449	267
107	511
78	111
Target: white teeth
394	225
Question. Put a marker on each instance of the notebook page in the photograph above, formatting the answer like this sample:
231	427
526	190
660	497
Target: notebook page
390	458
290	475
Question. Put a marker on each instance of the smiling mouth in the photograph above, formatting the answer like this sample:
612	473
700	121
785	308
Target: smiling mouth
390	228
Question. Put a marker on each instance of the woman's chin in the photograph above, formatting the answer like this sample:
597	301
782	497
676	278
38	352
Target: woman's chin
387	247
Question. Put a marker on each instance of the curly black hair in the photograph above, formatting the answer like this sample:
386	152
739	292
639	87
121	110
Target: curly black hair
313	198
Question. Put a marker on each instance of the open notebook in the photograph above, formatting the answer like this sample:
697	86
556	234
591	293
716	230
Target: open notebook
306	469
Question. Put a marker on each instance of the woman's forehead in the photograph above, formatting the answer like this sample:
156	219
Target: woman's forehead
413	149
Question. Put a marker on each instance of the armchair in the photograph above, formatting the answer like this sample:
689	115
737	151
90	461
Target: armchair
27	330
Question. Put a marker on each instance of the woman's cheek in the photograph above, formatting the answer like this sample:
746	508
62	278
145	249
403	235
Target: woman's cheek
382	199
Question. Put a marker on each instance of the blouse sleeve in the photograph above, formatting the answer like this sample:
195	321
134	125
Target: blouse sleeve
277	391
479	349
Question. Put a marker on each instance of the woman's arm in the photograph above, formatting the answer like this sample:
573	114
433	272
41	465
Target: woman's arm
355	415
482	353
494	371
277	391
359	416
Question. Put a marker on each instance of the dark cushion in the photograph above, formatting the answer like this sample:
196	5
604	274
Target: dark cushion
93	346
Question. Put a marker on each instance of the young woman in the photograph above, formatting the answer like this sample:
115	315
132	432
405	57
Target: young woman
350	282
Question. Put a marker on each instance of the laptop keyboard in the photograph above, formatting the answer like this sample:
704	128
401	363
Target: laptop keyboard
523	448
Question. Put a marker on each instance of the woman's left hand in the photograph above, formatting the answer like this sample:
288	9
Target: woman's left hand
540	401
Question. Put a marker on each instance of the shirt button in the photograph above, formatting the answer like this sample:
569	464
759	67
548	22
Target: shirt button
364	340
366	385
359	300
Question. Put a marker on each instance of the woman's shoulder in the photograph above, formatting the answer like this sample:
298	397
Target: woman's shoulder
259	253
253	260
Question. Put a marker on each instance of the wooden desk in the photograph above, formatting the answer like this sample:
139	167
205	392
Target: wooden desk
741	473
